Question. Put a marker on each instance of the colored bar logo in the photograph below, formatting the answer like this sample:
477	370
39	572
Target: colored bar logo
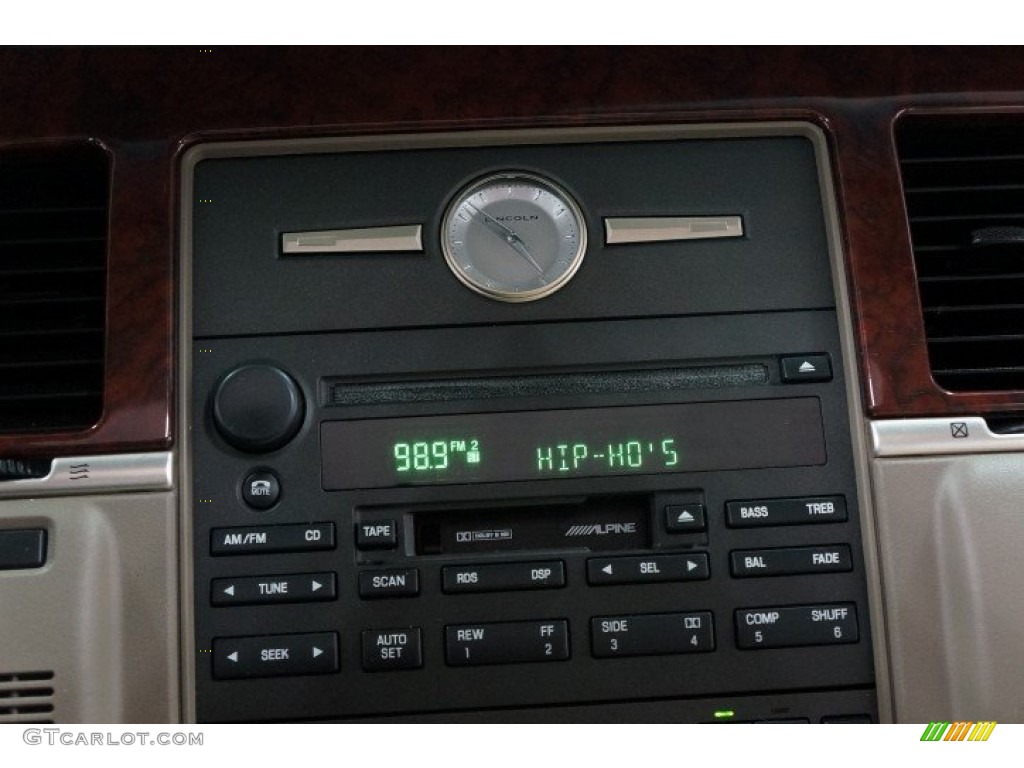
958	731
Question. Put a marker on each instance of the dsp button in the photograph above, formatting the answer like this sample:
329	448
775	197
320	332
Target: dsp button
795	625
799	511
789	561
271	538
389	582
275	656
264	590
603	571
385	649
499	577
513	642
652	634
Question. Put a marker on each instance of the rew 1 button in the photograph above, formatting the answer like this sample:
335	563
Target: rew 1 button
512	642
275	656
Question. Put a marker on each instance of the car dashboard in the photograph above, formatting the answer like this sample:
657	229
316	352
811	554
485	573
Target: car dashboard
343	386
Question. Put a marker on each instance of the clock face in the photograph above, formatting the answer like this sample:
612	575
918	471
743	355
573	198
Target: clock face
514	236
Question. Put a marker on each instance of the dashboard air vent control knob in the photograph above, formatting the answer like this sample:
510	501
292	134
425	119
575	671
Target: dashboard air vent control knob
258	408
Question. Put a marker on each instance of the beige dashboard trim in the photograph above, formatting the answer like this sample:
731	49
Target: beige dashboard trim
948	436
77	476
510	137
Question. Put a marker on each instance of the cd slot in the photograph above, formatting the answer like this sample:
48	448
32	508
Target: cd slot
674	379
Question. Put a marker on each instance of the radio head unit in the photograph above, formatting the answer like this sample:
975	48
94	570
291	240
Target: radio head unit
638	489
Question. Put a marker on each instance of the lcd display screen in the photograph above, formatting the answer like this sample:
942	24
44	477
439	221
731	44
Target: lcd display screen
559	444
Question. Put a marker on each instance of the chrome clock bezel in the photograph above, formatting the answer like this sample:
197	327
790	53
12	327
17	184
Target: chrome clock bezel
499	294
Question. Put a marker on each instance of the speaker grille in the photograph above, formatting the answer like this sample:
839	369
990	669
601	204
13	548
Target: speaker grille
26	697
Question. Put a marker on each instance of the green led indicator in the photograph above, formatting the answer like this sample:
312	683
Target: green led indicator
724	714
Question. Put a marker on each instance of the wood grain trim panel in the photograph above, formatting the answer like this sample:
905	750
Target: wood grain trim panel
148	105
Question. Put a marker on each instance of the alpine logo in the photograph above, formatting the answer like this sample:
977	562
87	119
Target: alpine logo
600	529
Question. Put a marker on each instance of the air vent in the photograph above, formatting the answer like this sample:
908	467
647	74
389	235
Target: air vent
963	178
53	244
26	697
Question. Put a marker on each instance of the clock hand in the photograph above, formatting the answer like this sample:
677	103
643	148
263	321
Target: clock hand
513	240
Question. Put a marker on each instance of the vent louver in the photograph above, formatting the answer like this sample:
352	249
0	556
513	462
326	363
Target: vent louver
53	243
963	179
26	697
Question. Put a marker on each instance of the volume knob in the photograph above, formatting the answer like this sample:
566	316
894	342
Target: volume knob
258	408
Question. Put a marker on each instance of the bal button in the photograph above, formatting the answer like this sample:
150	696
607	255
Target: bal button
261	489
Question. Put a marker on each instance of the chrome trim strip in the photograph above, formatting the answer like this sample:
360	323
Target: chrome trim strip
660	229
407	238
76	476
939	436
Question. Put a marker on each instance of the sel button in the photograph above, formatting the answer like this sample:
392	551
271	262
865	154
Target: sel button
652	568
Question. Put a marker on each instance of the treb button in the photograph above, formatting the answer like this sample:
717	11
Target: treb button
756	513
